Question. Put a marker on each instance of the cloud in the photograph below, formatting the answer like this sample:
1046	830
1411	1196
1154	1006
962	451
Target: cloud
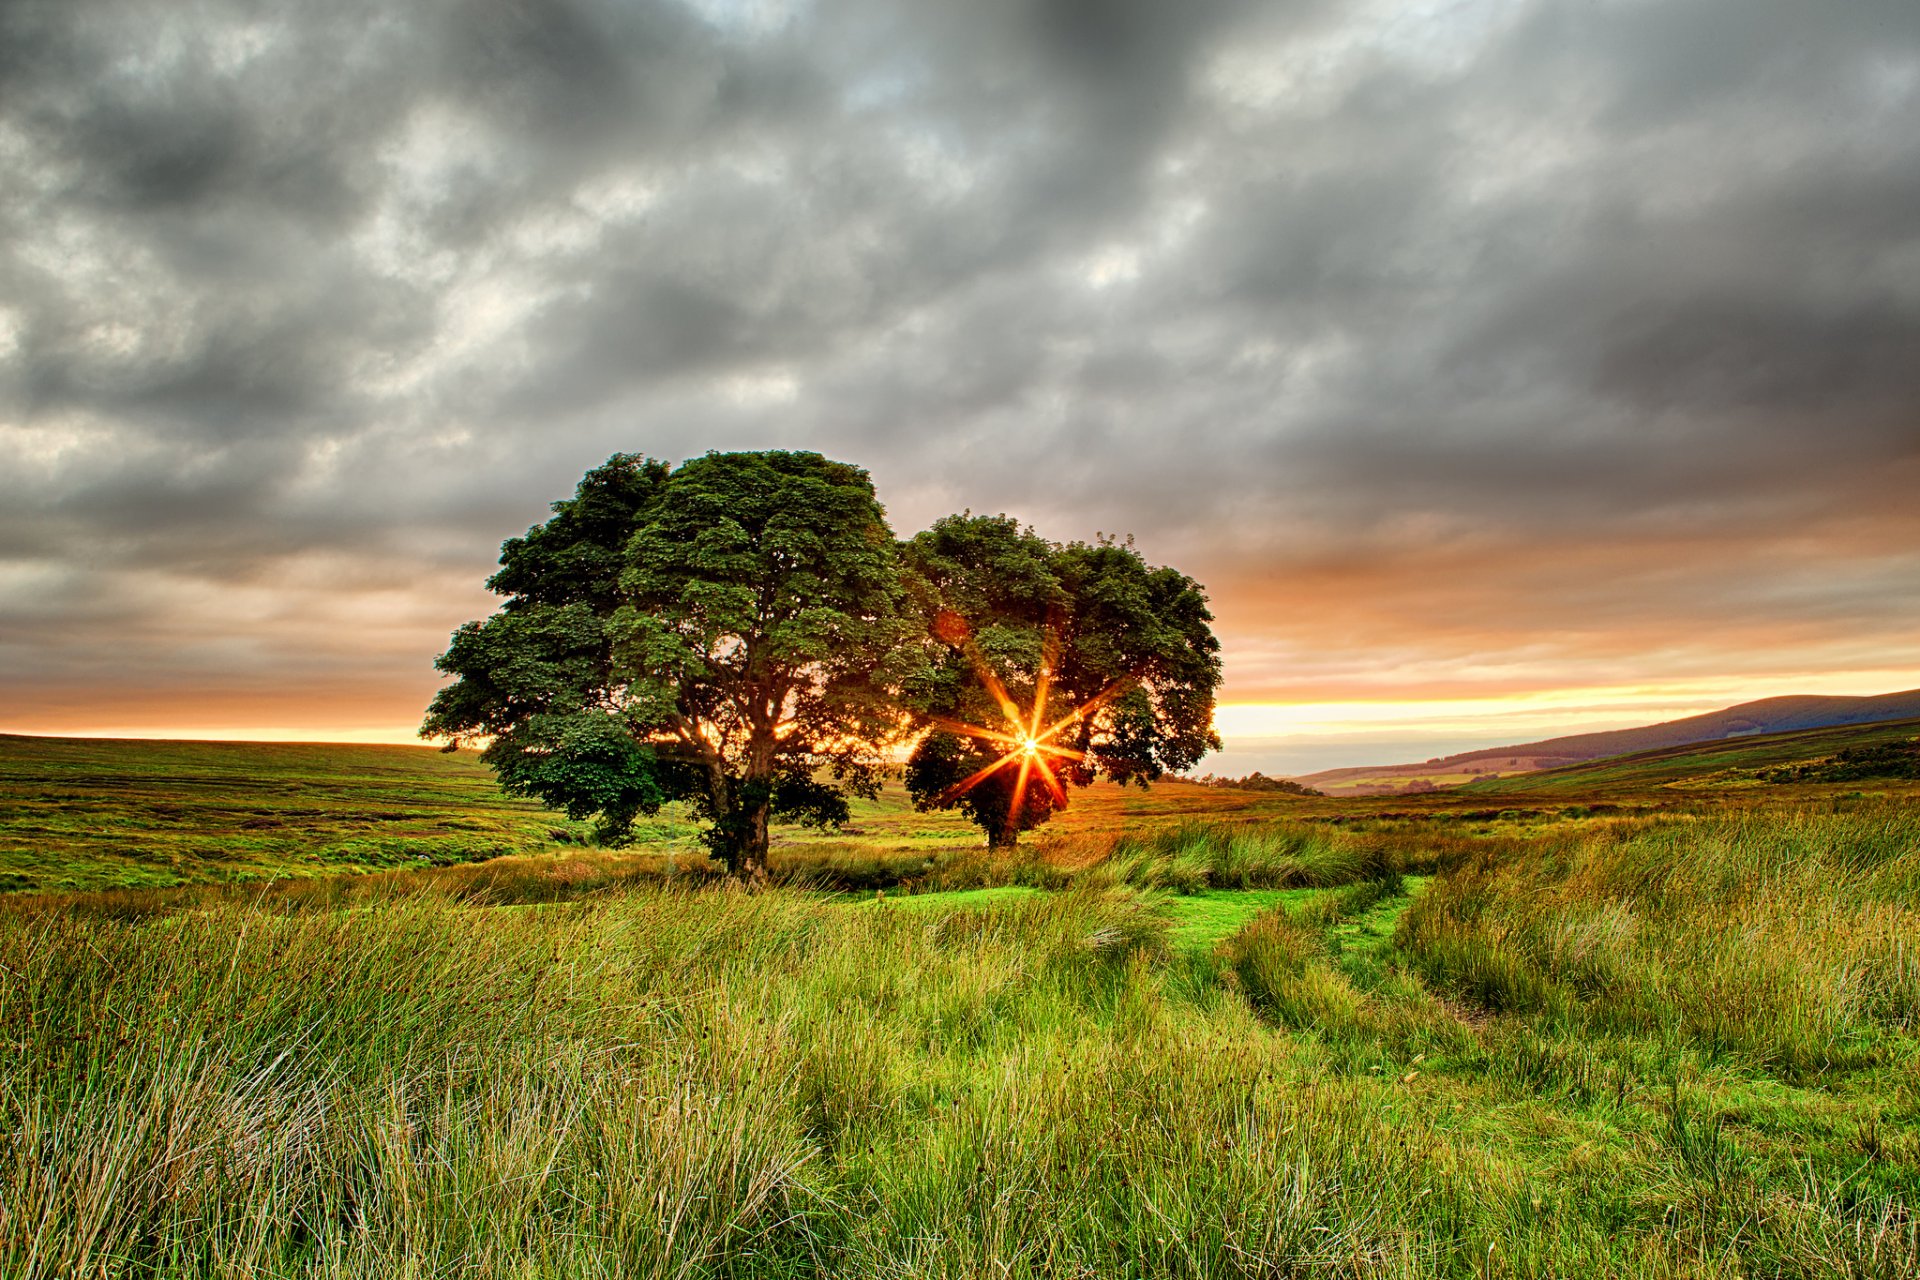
1476	343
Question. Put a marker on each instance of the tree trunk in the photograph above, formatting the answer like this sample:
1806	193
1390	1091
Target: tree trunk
753	854
1003	839
757	791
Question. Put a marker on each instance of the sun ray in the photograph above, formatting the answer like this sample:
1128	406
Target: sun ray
1024	739
1053	782
1027	757
1027	743
1008	707
1086	708
1050	654
974	779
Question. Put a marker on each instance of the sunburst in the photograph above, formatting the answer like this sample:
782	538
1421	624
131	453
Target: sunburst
1027	742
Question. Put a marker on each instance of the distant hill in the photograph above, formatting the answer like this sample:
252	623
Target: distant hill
1769	715
1765	762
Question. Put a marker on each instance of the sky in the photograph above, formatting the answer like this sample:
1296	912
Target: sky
1501	367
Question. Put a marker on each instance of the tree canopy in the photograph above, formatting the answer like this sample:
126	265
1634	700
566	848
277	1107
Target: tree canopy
1046	666
743	634
720	633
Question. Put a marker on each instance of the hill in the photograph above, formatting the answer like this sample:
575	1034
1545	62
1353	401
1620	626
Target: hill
1759	762
1766	716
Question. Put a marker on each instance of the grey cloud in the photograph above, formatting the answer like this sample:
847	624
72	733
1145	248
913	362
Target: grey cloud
148	107
545	65
1731	354
380	283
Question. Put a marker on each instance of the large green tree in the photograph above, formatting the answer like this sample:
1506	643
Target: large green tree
719	633
1043	667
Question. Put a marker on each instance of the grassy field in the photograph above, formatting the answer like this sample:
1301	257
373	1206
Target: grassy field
1672	1032
79	815
82	815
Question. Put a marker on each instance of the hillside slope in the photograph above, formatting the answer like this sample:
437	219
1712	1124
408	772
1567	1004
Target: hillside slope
1768	715
1728	764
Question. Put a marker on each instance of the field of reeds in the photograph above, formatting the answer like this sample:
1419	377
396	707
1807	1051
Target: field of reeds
1615	1044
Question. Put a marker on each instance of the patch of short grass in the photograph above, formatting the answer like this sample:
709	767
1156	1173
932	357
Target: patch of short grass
1201	920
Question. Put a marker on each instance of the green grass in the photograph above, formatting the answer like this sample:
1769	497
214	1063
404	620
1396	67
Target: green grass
1199	921
1369	931
1787	942
664	1082
78	815
959	899
1547	1040
125	825
1202	920
86	815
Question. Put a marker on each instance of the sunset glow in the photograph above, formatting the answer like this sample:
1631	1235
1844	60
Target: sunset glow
1265	734
1546	709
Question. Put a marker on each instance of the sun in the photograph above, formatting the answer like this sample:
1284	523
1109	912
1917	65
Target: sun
1024	740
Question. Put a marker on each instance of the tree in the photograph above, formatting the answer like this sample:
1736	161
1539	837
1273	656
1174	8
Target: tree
1257	781
537	680
719	634
1046	666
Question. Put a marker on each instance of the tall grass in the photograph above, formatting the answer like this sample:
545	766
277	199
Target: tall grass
1197	856
673	1082
662	1085
1788	939
1184	858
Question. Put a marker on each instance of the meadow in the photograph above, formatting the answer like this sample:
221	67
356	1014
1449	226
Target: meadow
1187	1032
82	815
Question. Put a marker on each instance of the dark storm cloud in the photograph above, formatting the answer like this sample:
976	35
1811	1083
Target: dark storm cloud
304	307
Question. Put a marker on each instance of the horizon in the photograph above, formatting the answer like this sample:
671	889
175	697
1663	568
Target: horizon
1267	753
1502	370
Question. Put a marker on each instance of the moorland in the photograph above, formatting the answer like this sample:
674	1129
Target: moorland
345	1011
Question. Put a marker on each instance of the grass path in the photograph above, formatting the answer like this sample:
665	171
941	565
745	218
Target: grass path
1203	920
1371	932
1200	920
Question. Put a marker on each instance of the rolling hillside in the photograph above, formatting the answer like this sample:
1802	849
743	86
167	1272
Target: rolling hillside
1737	764
1767	716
